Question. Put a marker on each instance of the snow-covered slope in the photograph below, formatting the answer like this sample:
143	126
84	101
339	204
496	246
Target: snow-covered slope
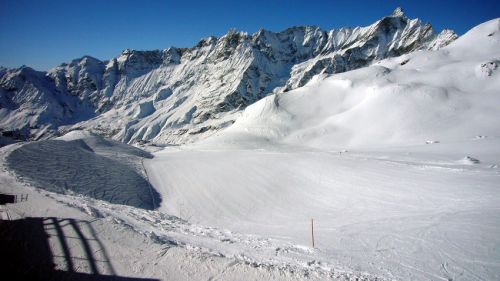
179	95
31	106
446	95
84	164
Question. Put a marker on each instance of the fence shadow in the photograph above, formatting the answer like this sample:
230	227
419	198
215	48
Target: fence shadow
30	248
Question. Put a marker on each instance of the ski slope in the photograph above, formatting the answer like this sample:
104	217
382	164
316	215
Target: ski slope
405	215
397	163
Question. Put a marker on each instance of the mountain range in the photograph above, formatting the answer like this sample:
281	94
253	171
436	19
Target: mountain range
180	95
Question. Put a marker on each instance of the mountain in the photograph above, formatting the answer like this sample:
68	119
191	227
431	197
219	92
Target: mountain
179	95
445	96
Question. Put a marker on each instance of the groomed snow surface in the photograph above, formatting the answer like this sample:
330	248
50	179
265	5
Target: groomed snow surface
397	163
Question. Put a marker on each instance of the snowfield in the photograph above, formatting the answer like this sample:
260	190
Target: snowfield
409	213
397	163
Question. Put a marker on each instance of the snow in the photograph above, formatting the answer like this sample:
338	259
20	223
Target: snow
352	151
88	165
144	109
433	96
409	213
133	242
181	95
397	163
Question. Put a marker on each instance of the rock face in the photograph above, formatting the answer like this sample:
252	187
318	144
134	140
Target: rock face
179	95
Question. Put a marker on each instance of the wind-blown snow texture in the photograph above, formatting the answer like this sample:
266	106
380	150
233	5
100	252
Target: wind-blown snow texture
179	95
87	165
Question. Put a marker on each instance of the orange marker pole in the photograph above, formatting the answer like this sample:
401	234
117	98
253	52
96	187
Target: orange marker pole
312	232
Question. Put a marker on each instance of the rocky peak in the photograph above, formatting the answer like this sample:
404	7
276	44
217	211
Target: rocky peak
16	79
209	41
398	12
443	39
136	63
171	56
3	70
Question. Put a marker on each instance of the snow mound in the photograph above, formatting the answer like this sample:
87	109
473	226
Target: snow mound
107	146
480	137
86	165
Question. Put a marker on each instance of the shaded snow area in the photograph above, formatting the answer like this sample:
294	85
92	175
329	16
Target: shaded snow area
397	163
89	166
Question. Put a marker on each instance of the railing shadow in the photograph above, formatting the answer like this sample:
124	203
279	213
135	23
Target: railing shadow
31	248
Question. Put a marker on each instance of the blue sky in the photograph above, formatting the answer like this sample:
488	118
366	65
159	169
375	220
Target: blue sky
45	33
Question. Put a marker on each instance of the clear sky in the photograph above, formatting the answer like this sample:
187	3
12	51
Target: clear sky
45	33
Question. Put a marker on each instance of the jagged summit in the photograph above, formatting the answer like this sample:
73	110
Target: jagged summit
178	95
398	12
